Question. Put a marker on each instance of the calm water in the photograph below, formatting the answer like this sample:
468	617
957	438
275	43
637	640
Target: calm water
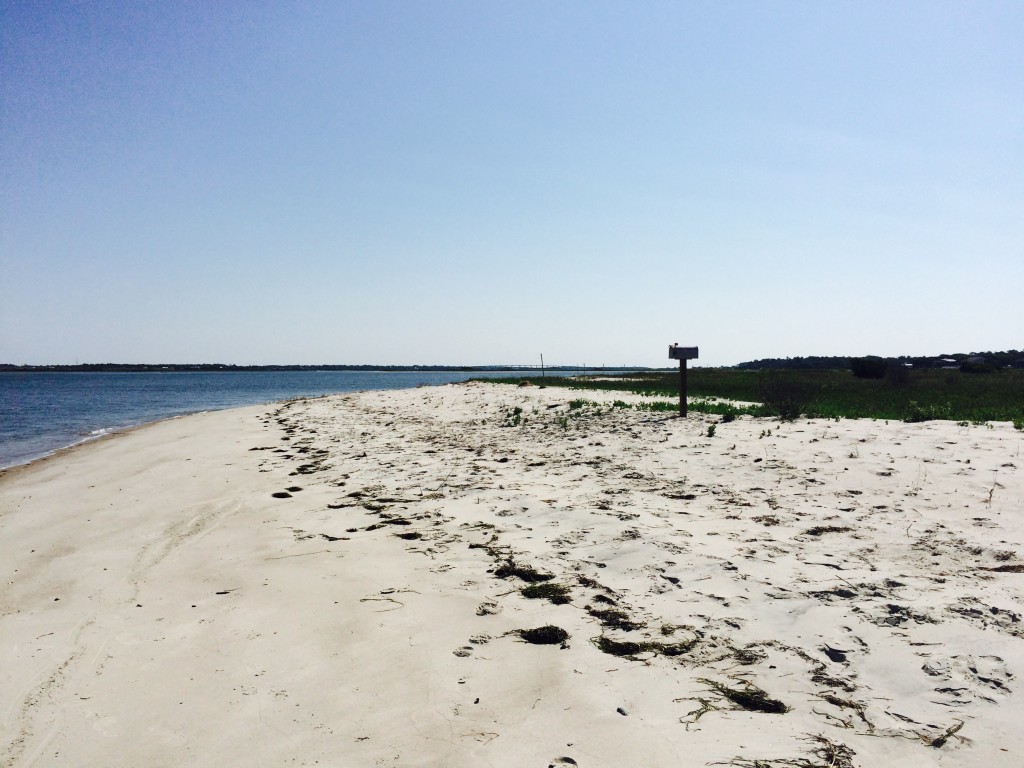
41	412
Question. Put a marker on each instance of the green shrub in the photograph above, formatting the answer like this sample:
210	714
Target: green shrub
870	367
897	374
917	412
784	395
976	366
657	405
514	417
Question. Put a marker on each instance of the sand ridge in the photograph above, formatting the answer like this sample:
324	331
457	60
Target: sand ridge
357	578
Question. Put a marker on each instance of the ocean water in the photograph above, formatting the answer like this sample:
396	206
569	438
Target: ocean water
43	412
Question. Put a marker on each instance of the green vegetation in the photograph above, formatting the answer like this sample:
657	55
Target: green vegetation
868	367
1010	358
902	394
513	417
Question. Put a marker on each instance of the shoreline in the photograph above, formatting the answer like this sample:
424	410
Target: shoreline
80	422
107	434
342	579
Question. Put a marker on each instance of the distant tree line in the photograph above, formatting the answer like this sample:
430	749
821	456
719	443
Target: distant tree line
972	361
799	363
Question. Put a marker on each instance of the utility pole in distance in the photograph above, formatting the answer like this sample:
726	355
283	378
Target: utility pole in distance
682	354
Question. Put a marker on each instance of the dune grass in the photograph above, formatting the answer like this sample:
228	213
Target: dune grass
917	395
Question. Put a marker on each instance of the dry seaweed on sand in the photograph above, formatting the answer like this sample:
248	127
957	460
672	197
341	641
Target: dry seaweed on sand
840	703
750	697
942	738
389	521
670	629
672	649
528	574
557	593
617	648
546	635
629	648
749	655
827	753
819	530
615	619
1012	568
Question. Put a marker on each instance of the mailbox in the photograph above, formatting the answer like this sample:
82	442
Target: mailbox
682	353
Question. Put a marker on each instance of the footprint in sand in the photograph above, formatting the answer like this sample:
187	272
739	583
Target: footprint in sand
969	677
488	609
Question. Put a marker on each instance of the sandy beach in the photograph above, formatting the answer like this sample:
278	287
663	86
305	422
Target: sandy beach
485	575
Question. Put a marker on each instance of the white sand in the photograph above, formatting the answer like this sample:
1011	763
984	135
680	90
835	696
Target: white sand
161	608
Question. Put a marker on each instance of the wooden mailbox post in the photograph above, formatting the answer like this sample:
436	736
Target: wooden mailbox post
682	354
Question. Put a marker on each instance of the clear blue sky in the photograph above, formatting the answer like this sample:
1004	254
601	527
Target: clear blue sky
482	182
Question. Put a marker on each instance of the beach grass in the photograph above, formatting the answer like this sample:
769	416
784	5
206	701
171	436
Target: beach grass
916	395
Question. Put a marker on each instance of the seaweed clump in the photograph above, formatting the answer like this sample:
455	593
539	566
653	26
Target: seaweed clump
557	593
630	648
833	755
672	649
749	655
750	698
510	568
617	648
818	530
828	754
615	619
389	521
546	635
